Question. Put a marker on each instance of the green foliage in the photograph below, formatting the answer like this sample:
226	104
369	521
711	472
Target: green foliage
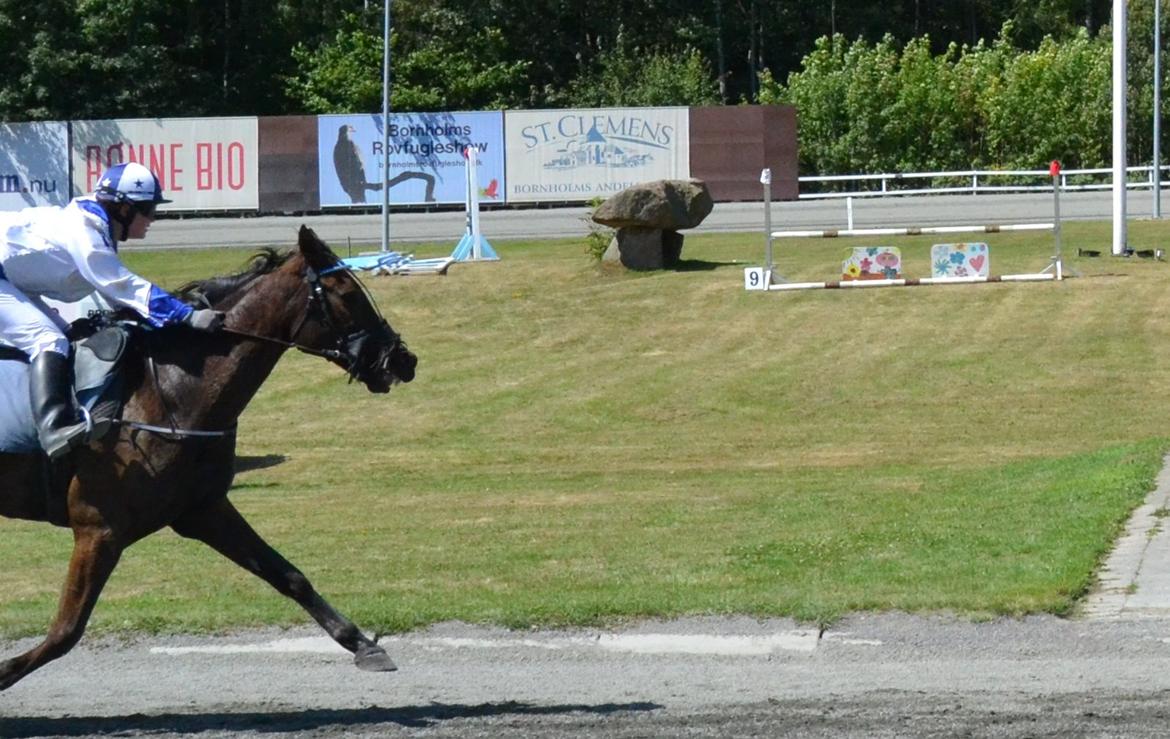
446	66
629	76
598	237
116	58
1053	103
878	108
341	76
454	64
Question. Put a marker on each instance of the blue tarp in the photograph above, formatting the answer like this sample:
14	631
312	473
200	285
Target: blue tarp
370	261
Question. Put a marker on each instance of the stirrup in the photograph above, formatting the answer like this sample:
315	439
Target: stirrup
87	417
77	439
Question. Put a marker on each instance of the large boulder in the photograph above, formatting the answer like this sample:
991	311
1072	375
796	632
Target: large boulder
665	204
644	248
647	217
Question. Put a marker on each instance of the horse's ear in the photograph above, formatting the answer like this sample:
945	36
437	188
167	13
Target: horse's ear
317	254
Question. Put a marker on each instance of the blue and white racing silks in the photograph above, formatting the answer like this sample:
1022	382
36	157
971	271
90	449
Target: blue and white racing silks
67	253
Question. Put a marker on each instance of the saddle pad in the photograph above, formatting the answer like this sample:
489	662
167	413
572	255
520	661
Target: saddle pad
17	431
94	362
960	260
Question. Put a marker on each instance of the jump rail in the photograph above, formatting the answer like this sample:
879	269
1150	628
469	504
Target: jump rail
924	281
766	278
910	231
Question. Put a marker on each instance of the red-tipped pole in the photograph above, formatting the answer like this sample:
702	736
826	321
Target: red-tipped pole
1054	171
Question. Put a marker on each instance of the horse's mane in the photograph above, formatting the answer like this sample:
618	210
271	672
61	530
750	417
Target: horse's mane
213	290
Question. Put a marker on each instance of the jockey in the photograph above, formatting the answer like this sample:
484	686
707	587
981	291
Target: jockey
66	254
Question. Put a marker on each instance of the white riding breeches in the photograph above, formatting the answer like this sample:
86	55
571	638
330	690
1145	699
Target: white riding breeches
29	325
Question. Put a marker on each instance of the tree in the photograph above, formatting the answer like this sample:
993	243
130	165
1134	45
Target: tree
40	78
629	76
449	67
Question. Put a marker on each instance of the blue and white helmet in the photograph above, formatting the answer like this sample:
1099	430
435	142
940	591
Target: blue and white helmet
130	182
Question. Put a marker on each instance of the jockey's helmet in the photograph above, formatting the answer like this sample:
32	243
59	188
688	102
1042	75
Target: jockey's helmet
130	182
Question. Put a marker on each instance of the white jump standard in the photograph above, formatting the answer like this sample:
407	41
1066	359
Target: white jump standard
766	278
474	246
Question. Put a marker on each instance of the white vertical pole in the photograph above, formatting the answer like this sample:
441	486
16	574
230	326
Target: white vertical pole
1058	260
849	212
473	201
386	127
1119	96
766	181
1157	108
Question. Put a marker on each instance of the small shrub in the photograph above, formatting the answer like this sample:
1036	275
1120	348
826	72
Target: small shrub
598	238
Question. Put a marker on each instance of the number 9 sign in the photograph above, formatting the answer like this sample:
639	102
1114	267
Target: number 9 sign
755	278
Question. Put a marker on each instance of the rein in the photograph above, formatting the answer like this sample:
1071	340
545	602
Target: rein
317	300
325	353
174	432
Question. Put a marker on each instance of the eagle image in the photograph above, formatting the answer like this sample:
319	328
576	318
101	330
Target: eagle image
351	172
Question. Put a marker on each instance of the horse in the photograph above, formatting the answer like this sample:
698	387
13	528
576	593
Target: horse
169	461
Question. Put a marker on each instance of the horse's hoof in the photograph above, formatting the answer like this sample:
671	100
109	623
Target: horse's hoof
374	659
10	673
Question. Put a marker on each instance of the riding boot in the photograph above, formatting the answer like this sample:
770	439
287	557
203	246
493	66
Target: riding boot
59	423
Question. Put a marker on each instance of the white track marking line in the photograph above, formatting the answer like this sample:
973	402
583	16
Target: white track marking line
696	644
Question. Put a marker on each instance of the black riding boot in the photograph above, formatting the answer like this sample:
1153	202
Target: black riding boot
59	423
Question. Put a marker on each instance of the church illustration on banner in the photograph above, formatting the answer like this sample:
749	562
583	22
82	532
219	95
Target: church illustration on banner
596	151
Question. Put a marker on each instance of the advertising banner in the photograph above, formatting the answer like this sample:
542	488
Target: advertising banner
577	155
202	163
426	158
34	165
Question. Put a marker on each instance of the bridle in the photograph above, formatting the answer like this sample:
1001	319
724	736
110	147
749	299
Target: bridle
347	349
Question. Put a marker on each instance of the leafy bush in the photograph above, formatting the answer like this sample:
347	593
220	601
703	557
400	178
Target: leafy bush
865	107
628	75
598	237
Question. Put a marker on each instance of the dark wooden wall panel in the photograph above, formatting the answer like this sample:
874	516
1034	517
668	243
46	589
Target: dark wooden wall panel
731	144
288	165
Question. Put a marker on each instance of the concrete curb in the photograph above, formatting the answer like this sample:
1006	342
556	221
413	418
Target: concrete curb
1135	580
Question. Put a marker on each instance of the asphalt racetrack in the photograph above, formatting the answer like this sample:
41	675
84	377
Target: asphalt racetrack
869	676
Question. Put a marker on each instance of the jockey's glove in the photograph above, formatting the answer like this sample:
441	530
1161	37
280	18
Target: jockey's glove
205	320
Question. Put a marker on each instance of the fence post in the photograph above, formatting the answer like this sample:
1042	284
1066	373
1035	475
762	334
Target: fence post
766	181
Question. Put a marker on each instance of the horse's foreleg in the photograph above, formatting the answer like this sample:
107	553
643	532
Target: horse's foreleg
94	556
221	527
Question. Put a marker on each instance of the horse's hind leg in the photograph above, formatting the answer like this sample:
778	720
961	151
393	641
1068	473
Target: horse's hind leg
94	557
221	527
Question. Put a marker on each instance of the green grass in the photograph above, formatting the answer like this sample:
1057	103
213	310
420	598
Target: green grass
585	445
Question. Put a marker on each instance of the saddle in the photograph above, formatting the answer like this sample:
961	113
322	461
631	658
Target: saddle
97	385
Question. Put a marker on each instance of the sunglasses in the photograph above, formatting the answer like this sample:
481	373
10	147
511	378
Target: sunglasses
146	210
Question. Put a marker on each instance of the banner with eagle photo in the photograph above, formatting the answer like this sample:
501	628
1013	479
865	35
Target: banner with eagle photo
427	162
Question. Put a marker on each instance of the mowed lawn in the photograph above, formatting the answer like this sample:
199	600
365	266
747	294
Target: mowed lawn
585	445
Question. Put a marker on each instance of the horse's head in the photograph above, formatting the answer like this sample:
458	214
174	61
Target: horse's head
342	322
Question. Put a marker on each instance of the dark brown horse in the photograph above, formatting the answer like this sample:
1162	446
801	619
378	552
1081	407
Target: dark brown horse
138	480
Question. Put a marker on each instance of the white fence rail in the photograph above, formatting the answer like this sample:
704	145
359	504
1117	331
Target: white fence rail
977	181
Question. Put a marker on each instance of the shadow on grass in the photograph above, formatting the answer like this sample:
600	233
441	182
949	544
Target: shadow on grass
699	265
417	717
245	463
